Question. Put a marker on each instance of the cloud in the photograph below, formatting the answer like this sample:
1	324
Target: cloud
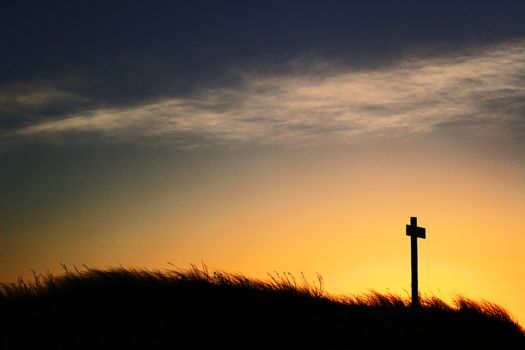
29	102
481	92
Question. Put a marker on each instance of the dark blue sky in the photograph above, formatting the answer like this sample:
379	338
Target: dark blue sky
124	52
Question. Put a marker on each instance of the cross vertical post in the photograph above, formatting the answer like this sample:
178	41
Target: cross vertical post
414	232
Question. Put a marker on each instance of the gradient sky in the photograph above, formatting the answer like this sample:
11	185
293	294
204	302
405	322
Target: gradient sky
268	136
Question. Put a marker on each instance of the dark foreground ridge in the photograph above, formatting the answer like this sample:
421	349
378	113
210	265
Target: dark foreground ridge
195	309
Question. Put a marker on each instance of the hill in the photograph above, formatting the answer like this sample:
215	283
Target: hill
196	309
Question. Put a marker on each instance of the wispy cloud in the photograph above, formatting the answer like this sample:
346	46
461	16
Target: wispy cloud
482	92
20	98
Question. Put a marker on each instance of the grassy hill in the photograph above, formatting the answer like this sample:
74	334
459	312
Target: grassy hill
196	309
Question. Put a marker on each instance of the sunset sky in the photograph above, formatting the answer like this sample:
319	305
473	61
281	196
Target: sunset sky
268	136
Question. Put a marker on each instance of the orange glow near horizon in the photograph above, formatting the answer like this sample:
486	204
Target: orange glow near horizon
341	216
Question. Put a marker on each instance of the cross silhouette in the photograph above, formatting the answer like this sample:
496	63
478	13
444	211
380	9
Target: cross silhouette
414	232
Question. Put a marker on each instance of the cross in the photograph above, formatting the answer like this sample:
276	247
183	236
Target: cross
414	232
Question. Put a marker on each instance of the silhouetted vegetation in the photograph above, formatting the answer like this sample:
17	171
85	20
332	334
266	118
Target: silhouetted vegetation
188	309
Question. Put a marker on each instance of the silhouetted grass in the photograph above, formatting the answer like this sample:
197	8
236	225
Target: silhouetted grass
196	308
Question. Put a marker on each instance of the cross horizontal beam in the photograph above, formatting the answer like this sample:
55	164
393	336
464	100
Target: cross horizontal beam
415	231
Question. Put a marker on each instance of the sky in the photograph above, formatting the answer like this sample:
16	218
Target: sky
268	136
